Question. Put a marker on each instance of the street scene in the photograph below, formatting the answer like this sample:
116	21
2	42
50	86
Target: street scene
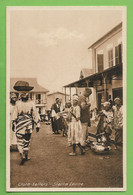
53	167
66	109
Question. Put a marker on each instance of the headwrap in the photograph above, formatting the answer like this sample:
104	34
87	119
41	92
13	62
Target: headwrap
106	104
75	97
12	95
117	99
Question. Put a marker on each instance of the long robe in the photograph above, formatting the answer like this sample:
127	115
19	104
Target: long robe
24	116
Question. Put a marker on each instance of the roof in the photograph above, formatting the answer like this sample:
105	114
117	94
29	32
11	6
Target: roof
31	81
57	92
86	72
115	29
96	76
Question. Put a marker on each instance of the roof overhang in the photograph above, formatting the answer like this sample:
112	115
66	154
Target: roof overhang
87	81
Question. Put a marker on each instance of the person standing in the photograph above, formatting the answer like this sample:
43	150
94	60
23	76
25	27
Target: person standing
85	114
75	126
118	121
13	141
55	109
24	117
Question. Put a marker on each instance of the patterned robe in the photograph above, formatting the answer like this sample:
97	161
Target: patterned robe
24	116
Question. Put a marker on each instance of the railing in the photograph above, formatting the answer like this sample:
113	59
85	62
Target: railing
40	101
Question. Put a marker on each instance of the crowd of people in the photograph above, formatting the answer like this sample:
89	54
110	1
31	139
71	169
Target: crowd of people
73	120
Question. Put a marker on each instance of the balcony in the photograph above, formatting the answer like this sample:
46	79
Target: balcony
38	101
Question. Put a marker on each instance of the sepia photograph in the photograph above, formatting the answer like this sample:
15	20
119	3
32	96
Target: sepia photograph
65	98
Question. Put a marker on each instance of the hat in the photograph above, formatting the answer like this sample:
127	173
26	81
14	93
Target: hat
22	86
117	99
13	95
75	97
106	104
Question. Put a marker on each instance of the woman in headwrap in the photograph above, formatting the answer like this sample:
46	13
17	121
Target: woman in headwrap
24	116
105	124
75	126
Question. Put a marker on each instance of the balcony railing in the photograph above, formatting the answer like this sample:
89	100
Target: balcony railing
40	101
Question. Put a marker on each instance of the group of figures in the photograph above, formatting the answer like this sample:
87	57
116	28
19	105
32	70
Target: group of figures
74	121
23	117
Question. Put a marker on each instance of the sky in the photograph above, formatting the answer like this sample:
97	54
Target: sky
52	44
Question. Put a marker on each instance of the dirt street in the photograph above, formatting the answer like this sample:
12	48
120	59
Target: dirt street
51	165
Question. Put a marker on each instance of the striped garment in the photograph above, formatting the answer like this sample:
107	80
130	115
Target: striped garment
24	117
24	125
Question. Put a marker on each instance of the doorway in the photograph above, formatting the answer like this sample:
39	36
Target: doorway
99	97
118	92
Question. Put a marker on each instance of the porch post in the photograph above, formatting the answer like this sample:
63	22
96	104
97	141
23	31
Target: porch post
105	87
65	94
70	93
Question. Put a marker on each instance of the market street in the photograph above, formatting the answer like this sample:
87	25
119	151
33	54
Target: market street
51	165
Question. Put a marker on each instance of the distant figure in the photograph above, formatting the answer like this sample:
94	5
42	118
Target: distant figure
54	116
65	120
13	141
24	116
110	101
118	121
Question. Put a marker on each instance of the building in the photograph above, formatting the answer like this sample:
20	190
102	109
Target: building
52	96
38	94
107	61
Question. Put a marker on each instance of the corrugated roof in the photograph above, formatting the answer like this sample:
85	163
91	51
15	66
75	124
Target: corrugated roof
86	72
113	69
31	81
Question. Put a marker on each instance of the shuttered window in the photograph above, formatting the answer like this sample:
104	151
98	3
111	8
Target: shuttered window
100	62
118	54
110	57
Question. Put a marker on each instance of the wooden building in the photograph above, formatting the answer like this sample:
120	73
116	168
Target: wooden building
38	94
107	63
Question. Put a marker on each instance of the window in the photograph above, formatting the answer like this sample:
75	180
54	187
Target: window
118	54
100	62
31	96
40	111
38	98
110	57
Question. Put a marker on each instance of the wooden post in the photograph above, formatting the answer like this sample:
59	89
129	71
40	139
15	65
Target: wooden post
105	87
76	86
65	94
70	93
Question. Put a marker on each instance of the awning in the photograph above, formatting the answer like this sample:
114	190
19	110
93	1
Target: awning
88	81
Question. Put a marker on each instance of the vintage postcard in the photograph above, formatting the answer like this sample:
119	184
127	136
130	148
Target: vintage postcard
66	98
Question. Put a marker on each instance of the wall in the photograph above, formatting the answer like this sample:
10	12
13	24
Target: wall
103	49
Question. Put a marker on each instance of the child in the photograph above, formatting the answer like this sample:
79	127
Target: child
75	126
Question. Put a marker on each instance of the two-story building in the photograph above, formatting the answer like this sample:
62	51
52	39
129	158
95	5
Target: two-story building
52	96
107	64
38	94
